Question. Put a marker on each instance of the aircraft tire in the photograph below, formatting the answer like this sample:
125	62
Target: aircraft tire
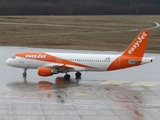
78	74
24	74
67	77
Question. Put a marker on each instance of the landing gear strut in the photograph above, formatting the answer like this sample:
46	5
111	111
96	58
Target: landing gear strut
24	73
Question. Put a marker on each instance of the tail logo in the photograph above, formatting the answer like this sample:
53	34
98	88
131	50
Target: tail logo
137	43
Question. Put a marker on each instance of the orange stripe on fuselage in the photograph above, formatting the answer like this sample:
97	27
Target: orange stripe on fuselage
42	56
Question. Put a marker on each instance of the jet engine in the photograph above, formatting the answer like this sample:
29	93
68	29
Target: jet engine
44	71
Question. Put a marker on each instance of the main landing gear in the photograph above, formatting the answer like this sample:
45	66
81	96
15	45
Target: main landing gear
77	74
24	73
67	77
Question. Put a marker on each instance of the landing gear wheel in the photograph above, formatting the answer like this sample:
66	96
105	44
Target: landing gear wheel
67	77
24	74
78	74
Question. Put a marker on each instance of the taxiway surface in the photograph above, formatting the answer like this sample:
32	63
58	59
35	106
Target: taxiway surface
129	94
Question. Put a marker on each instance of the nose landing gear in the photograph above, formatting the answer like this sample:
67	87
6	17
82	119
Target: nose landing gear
24	73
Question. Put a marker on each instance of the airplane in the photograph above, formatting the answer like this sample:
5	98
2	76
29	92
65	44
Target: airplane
48	64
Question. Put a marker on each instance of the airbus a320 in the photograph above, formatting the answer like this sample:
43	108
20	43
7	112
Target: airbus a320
48	64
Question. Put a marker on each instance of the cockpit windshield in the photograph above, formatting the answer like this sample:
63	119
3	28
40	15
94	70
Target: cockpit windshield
13	57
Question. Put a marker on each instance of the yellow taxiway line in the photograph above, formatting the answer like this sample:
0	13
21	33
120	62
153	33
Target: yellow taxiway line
149	84
120	82
115	82
81	94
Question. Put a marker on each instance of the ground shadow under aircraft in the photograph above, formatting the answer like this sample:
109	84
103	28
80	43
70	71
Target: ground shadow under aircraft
59	82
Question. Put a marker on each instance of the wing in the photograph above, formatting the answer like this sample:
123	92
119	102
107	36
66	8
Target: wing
64	67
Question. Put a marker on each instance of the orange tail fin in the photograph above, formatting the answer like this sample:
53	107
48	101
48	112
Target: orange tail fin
138	46
133	55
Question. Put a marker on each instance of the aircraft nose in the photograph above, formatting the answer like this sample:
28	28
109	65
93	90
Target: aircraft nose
8	61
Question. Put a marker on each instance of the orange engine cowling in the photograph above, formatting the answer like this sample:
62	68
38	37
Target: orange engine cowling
43	71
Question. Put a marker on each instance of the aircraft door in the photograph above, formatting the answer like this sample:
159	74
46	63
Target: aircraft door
117	61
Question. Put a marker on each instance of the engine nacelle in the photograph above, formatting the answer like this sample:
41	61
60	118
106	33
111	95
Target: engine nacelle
44	71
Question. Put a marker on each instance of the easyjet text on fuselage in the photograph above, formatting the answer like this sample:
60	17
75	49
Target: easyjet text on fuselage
35	56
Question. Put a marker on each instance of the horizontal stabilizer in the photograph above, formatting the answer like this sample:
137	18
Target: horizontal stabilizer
133	61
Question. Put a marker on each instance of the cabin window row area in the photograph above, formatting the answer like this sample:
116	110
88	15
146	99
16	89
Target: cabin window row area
75	60
88	60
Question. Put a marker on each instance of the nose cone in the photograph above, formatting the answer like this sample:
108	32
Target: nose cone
8	62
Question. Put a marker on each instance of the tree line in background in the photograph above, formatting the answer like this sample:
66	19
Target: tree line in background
79	7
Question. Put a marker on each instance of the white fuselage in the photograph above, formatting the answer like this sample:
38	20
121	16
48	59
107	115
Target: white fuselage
98	61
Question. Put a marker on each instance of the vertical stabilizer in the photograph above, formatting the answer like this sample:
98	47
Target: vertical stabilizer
138	46
133	55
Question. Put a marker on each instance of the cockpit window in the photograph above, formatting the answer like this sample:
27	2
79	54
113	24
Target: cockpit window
13	57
